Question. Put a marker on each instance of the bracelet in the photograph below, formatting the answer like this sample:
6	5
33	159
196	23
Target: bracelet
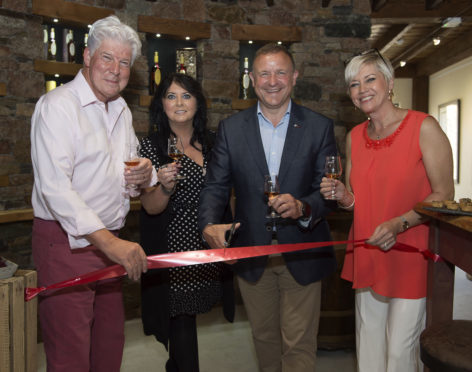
349	206
167	191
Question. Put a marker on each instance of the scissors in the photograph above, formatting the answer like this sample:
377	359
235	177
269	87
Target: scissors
227	243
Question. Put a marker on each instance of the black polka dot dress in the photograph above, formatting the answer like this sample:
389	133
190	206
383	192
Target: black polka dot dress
193	289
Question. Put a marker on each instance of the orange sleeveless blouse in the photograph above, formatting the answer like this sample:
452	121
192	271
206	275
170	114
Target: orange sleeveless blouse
388	178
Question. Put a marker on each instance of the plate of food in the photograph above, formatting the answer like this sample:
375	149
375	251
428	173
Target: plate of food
463	208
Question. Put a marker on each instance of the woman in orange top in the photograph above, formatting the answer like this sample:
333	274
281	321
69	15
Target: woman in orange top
394	160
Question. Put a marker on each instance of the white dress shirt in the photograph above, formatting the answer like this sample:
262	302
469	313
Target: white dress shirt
77	149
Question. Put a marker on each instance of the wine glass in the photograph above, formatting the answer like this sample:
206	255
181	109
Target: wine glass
176	152
271	190
131	158
333	169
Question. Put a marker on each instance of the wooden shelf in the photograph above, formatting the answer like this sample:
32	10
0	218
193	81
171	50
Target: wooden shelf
79	14
174	27
242	104
3	89
16	215
265	33
55	67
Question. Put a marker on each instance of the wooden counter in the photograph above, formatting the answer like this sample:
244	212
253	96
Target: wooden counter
450	237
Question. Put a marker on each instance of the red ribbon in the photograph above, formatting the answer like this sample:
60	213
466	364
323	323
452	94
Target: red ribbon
175	259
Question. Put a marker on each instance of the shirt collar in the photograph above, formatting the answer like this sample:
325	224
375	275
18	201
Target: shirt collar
287	113
87	97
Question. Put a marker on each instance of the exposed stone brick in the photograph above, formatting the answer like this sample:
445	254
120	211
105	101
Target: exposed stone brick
227	14
194	10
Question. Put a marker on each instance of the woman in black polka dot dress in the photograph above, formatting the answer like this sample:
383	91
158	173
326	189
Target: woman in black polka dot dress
171	298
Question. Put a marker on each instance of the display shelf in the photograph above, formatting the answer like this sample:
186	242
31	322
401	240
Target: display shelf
73	13
175	28
242	104
287	34
55	67
3	89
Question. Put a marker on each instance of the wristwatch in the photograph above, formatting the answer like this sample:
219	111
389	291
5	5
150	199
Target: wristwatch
306	210
405	224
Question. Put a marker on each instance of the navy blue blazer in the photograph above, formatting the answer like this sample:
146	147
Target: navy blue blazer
238	162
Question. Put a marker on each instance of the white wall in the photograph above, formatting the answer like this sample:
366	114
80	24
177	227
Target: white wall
402	93
452	83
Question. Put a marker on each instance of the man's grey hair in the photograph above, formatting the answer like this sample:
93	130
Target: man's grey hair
111	28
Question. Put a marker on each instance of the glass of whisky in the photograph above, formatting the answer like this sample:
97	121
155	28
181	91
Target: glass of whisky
333	169
176	152
271	190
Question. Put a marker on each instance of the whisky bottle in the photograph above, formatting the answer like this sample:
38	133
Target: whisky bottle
52	48
155	75
245	81
182	69
70	47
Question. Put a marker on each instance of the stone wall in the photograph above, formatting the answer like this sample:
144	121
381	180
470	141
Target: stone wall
329	36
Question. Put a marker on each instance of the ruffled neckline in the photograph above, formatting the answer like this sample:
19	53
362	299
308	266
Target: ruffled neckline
384	142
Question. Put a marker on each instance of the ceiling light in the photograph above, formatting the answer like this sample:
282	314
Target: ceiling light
56	75
158	35
187	37
55	20
436	41
399	41
279	42
452	22
402	63
250	41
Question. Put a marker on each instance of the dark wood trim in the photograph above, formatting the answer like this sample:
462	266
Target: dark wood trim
420	96
82	15
265	33
55	67
174	27
325	3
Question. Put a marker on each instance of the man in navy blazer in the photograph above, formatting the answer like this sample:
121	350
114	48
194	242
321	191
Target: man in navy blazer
281	293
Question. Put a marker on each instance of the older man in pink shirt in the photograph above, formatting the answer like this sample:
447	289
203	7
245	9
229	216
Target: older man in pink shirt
80	198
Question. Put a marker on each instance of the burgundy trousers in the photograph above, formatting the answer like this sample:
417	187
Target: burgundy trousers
82	326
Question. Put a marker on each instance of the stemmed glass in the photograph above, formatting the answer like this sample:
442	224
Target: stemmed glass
271	190
131	158
333	169
176	153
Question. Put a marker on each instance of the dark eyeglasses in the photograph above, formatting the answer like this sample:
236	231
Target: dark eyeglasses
364	53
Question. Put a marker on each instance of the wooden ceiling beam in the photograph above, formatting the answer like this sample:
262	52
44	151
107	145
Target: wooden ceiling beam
432	4
394	33
376	5
446	55
407	11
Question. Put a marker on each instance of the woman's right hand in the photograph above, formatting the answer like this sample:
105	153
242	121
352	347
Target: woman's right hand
332	189
167	174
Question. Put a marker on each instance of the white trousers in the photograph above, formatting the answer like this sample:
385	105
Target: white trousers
387	332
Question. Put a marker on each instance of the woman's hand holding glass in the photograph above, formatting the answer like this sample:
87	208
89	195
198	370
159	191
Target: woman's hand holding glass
167	176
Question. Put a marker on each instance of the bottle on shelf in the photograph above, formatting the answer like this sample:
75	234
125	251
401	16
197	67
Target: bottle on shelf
245	80
155	75
70	47
182	69
52	48
45	41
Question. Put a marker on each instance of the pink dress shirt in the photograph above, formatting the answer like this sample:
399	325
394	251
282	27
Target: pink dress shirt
77	148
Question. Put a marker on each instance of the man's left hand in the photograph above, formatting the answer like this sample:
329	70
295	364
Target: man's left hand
287	206
140	174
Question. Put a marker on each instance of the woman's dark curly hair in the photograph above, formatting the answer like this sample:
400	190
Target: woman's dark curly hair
159	128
